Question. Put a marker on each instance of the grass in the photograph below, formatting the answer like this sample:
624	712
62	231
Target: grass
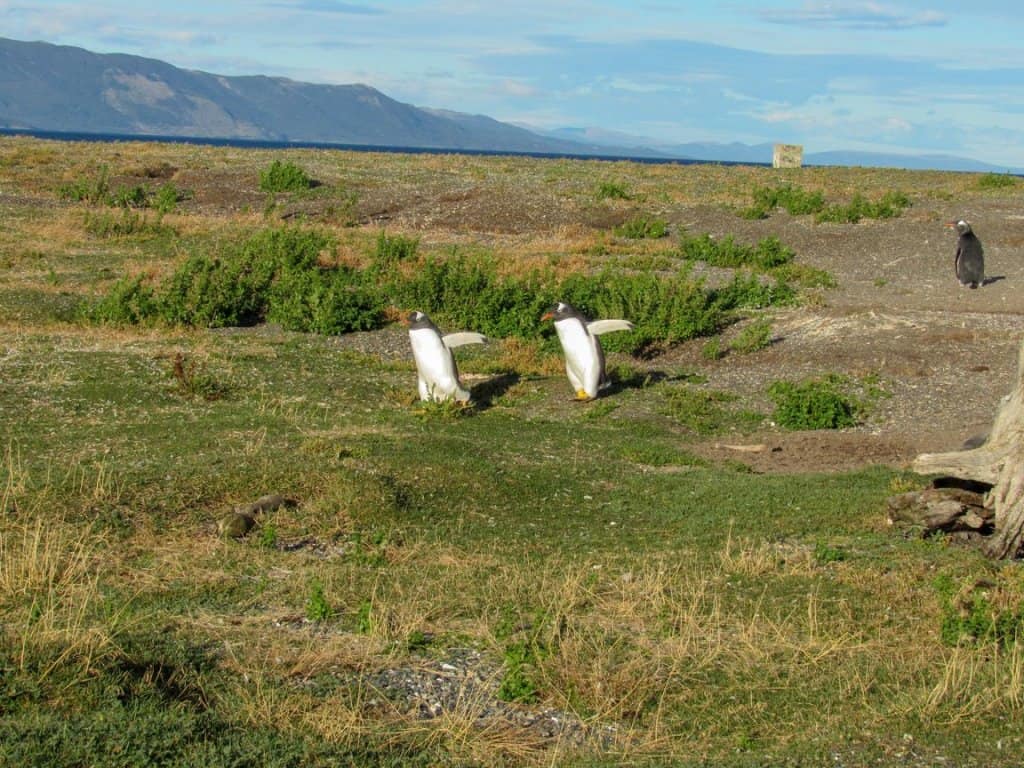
680	610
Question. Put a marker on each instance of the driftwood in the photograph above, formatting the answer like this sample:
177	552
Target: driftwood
999	463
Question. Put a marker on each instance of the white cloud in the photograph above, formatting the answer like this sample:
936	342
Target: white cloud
852	15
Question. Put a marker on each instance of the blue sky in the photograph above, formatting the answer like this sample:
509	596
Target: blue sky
912	76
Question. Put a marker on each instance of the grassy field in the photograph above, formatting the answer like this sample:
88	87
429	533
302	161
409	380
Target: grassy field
622	600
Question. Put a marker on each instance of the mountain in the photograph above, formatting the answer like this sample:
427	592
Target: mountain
50	87
46	87
736	152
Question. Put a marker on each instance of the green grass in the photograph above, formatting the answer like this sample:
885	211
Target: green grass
684	610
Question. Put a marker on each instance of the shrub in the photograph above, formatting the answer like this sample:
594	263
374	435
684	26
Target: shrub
757	335
96	192
612	190
767	254
712	349
130	197
974	618
167	198
996	181
795	200
323	301
317	607
284	177
889	206
641	228
813	404
518	683
129	302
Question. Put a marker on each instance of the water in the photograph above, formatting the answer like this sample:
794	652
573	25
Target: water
267	144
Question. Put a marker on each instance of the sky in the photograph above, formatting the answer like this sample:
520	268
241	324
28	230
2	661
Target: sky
907	77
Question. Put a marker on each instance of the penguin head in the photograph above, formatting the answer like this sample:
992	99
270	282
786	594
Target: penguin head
417	320
561	311
961	226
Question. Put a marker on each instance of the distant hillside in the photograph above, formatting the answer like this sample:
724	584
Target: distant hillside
736	152
62	88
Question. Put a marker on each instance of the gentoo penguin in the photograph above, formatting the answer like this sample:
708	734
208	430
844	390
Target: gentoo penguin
584	358
435	364
970	257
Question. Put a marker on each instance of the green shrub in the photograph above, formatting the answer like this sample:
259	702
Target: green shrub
167	198
769	253
518	683
712	349
284	176
129	302
612	190
996	181
317	607
814	404
130	197
641	228
756	336
973	618
392	250
889	206
796	201
323	301
467	291
96	192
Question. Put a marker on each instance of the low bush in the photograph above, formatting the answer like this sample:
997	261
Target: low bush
796	201
277	275
767	254
889	206
997	181
284	176
756	336
642	228
612	190
823	403
974	618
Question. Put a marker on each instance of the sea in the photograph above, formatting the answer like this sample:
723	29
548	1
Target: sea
268	144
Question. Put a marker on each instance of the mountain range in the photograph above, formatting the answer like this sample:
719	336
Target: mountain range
58	88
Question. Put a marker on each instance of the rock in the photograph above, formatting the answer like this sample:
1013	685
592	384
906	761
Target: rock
943	515
266	503
236	525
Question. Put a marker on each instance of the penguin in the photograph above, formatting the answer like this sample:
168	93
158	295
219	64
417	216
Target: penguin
435	364
970	256
584	358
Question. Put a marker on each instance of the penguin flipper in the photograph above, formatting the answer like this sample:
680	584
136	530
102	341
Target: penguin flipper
453	340
597	327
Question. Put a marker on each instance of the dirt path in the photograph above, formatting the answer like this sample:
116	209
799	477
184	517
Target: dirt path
946	354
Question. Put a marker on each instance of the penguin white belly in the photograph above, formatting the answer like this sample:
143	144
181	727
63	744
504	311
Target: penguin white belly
582	357
435	366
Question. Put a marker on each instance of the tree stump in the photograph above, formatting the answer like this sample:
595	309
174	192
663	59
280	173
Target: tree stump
998	462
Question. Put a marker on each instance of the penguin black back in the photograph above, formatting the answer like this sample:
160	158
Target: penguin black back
970	256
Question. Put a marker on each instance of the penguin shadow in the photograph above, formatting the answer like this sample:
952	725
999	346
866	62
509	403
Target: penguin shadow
993	279
638	380
486	392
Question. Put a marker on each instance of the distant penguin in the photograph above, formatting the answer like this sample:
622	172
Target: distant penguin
970	257
435	364
584	358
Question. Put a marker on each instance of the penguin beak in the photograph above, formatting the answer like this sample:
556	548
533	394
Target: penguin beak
546	316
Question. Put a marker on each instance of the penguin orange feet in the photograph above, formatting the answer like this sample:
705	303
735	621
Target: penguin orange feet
582	396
